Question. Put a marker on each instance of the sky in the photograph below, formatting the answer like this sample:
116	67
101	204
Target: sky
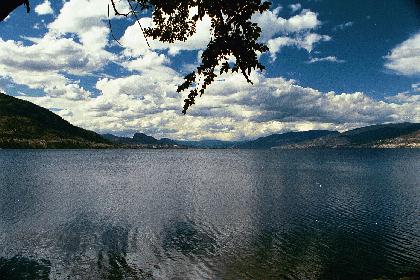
331	65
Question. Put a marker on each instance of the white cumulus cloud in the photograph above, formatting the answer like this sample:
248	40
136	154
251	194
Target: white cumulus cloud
44	8
295	7
305	41
296	31
404	59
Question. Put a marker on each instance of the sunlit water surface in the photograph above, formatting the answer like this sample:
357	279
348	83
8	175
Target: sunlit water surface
209	214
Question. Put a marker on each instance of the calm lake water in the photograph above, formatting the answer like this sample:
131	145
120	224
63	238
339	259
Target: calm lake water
209	214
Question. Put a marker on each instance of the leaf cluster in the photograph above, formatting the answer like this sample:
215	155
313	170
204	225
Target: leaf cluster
233	45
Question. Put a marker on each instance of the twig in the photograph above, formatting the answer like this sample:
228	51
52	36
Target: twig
132	11
116	11
112	32
138	21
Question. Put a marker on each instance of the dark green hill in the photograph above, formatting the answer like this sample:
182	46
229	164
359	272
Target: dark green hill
396	135
26	125
375	133
288	138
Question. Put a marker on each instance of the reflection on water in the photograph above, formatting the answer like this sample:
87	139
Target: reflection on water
209	214
20	267
186	238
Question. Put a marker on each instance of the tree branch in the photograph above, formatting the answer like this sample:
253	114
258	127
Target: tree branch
8	6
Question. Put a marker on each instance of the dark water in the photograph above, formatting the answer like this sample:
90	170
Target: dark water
209	214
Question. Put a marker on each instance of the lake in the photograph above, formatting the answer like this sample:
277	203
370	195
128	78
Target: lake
209	214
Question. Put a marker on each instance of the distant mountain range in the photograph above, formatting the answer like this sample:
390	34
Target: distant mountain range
209	144
141	140
287	138
400	135
26	125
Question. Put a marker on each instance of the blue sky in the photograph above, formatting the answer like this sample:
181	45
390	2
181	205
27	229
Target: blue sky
375	28
331	65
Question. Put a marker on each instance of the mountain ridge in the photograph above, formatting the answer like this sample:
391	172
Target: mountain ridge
26	125
140	140
394	135
273	140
